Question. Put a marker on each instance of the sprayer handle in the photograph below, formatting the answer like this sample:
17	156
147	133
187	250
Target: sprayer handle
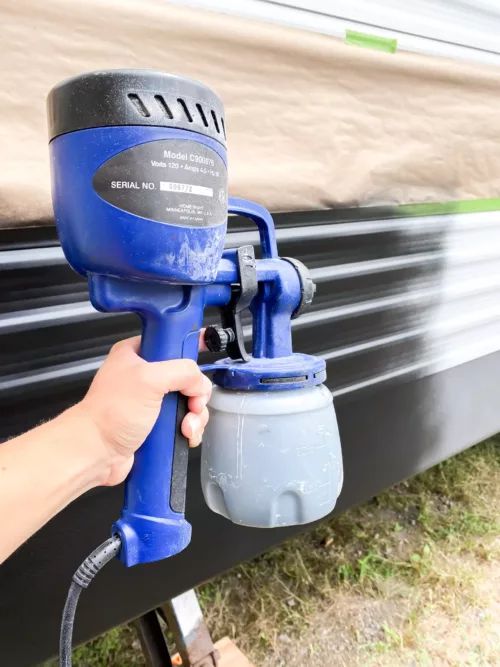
262	218
152	524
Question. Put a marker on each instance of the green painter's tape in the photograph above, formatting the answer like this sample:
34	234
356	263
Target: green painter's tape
443	208
354	38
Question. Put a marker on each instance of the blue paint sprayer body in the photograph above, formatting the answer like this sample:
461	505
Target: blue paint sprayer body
141	206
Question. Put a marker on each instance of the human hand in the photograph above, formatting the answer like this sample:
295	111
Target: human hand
124	401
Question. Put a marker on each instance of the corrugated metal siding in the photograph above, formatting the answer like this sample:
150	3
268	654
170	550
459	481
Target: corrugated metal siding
396	297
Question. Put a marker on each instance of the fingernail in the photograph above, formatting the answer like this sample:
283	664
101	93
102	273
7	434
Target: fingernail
195	425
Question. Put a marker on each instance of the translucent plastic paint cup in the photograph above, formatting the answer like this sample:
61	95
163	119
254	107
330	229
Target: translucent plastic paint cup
271	459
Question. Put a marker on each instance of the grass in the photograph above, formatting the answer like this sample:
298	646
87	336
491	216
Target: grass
374	576
119	646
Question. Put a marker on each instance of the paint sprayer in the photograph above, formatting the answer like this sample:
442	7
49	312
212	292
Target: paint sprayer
140	194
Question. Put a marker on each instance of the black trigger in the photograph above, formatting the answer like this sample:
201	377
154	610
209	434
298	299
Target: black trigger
241	298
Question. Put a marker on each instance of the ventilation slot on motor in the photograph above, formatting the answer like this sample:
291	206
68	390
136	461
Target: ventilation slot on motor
164	106
202	115
223	127
215	121
139	105
185	109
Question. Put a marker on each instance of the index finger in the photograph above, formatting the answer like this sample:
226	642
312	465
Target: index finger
181	375
201	343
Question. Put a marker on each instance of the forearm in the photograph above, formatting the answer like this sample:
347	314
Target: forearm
43	470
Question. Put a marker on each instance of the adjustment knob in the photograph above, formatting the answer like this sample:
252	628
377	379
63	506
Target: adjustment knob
307	286
217	339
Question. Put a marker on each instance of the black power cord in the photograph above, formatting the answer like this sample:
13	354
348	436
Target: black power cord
81	579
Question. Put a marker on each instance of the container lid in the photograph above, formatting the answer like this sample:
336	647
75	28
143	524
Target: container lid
269	374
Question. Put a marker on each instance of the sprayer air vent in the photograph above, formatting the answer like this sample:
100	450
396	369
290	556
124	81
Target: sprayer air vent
215	121
139	105
164	108
202	115
207	117
185	109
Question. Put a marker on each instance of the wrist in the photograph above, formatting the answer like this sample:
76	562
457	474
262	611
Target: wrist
83	447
